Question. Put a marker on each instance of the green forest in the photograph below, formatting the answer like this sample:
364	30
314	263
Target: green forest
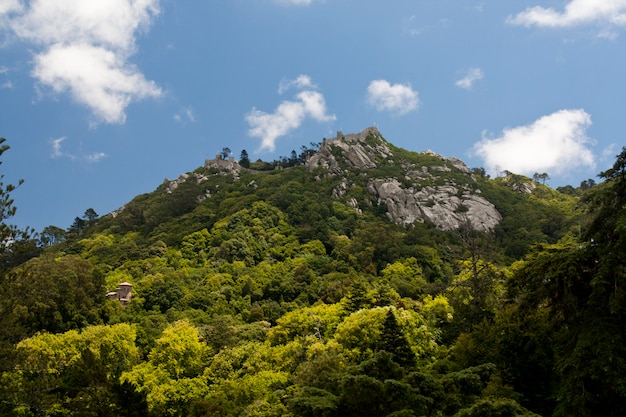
287	289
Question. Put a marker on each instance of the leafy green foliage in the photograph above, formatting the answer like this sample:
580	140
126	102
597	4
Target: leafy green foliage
50	294
264	291
83	368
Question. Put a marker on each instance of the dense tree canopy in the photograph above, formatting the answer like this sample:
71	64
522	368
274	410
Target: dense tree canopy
269	294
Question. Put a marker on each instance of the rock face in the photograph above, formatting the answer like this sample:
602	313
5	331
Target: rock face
443	206
354	149
429	197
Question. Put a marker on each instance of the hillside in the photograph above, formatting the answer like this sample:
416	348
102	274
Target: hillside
355	279
368	177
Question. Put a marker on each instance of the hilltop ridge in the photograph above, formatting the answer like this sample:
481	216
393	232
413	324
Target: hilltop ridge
363	174
420	191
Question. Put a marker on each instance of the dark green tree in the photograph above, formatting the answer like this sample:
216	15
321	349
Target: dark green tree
293	159
244	160
50	294
90	215
580	289
7	209
77	226
16	245
9	233
225	152
51	235
587	184
392	340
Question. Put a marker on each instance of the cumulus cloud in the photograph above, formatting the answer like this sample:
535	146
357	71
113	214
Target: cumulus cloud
302	81
7	6
397	98
553	143
472	75
93	76
84	50
577	12
288	116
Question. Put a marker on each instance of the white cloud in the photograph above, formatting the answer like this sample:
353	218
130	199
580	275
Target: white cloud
577	12
472	75
57	152
95	157
607	34
289	115
553	143
609	153
85	47
8	6
94	76
396	98
301	82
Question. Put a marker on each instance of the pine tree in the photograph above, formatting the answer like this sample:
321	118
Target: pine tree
90	215
244	160
393	341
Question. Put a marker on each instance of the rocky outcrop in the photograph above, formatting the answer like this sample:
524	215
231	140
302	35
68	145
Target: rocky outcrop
170	186
455	162
359	150
446	207
431	197
522	187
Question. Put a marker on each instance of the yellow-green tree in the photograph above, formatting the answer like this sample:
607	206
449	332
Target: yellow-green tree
72	373
171	378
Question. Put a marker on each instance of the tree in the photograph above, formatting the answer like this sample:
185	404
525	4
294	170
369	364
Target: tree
480	172
541	177
580	286
171	378
90	215
244	160
78	225
293	159
71	373
50	293
473	290
51	235
7	209
587	184
225	152
392	340
9	233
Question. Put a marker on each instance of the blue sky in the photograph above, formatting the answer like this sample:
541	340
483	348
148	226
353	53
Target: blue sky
103	99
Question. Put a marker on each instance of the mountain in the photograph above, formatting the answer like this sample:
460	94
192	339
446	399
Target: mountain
367	174
354	278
